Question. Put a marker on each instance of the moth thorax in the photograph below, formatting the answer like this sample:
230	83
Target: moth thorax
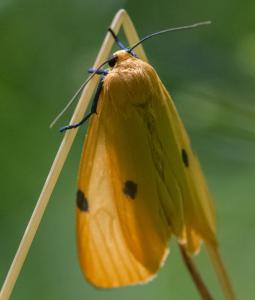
122	55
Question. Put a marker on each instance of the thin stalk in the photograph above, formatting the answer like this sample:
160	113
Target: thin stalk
221	272
196	277
121	18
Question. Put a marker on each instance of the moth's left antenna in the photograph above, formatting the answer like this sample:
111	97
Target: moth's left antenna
68	105
76	94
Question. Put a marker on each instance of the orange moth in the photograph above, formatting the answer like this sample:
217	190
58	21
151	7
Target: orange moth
139	182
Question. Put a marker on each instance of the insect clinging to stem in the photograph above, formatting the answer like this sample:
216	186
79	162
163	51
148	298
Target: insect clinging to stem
139	181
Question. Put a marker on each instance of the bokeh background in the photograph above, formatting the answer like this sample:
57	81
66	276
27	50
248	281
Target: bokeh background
45	49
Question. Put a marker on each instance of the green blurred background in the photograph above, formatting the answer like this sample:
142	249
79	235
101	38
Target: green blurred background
46	48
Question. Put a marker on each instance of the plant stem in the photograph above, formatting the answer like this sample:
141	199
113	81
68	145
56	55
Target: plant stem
120	19
221	272
196	277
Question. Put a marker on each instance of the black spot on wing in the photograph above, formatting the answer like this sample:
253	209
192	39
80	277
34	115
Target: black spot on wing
130	189
81	201
185	158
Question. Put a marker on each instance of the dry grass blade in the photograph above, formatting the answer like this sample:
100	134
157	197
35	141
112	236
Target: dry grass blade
196	277
221	272
121	18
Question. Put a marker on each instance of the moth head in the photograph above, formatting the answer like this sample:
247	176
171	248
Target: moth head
118	57
112	61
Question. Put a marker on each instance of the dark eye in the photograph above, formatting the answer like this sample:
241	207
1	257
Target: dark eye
112	61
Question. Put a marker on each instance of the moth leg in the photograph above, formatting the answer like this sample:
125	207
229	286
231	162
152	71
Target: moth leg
93	109
98	71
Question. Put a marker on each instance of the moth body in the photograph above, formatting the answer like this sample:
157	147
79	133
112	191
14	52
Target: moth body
139	181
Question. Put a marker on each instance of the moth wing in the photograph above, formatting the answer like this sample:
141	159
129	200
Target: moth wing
182	190
122	232
139	182
181	187
198	210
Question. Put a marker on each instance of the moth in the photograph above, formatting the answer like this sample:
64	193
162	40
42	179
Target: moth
139	181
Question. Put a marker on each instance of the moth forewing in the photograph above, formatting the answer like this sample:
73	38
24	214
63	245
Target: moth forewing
134	179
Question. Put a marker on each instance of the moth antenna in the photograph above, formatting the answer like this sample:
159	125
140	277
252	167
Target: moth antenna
67	106
76	94
168	30
121	45
117	40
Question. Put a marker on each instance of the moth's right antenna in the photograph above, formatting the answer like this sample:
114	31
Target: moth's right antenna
168	30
